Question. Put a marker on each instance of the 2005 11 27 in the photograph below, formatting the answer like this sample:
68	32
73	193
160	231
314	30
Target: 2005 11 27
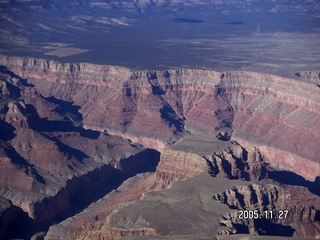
267	214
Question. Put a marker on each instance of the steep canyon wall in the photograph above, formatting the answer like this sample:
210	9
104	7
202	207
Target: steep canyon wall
275	114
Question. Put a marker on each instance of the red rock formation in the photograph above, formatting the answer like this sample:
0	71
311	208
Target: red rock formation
13	175
300	206
154	108
91	222
233	162
112	233
174	165
274	114
45	159
178	165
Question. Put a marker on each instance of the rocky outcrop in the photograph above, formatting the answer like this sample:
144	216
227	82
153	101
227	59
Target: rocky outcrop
155	108
115	233
61	198
238	163
97	180
268	115
309	76
234	162
291	206
177	165
300	221
91	222
261	109
45	158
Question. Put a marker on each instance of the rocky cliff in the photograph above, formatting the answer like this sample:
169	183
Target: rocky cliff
189	115
181	161
274	114
46	156
141	217
300	217
233	162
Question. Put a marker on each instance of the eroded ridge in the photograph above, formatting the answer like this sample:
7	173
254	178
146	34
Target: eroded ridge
72	110
46	157
270	210
196	169
275	114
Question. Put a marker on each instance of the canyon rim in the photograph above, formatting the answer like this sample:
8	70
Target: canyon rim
159	119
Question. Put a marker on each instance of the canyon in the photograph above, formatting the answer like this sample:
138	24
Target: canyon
126	135
262	110
159	119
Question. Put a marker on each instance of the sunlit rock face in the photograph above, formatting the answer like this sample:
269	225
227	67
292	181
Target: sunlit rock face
46	157
59	130
275	114
157	146
110	218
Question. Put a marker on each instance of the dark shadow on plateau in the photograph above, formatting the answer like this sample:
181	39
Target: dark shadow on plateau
266	227
291	178
20	219
187	20
65	107
22	163
45	125
95	184
169	115
6	131
233	23
54	126
5	70
241	229
71	152
89	134
317	217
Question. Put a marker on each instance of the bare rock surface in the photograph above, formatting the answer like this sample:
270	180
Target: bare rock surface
199	111
196	169
285	204
45	158
275	114
74	111
175	164
163	212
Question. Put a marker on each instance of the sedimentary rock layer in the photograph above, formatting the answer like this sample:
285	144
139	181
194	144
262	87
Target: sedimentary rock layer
46	157
143	217
175	164
284	202
277	115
